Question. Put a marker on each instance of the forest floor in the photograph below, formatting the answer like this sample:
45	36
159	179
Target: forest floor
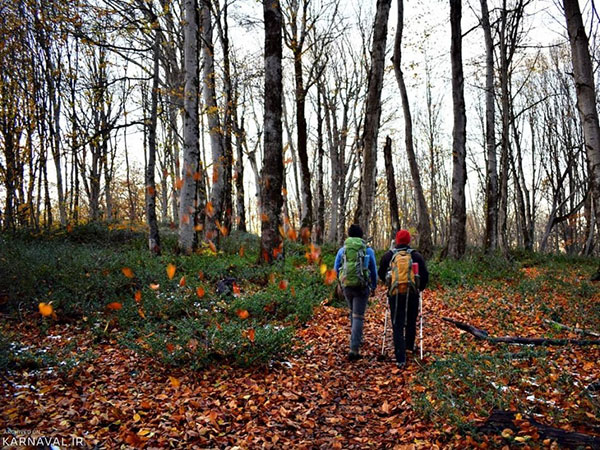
115	397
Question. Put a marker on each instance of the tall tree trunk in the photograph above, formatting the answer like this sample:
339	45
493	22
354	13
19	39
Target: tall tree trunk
391	183
423	223
153	234
227	120
335	168
239	173
218	192
491	190
306	220
320	229
457	240
272	167
368	179
586	97
187	208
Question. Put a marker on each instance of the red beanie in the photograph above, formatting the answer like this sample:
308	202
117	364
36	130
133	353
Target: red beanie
402	237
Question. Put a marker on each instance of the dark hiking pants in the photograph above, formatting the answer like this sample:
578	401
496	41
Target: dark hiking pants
357	298
405	328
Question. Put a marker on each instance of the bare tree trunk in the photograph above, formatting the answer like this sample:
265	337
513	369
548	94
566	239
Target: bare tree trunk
239	173
372	118
391	183
457	240
187	209
320	179
272	168
227	139
586	97
491	207
217	197
423	224
335	169
153	234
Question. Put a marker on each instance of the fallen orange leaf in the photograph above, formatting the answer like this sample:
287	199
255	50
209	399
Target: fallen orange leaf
236	289
46	309
242	313
115	306
127	272
174	381
138	296
283	284
154	286
200	291
171	271
182	281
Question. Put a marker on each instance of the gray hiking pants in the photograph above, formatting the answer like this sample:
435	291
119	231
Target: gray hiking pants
357	298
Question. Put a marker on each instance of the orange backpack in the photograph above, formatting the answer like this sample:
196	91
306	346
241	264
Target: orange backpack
400	276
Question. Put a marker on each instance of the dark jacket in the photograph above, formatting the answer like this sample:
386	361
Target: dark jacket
416	257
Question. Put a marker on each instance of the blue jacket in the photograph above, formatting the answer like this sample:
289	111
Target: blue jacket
371	264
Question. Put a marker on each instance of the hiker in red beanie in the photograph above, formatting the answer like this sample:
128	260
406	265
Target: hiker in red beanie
395	268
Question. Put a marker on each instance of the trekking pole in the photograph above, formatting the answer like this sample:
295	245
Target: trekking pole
384	331
421	326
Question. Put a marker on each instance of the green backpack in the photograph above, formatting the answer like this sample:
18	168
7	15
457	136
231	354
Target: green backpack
354	271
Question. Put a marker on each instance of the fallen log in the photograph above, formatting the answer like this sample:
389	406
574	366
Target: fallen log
484	335
573	329
500	420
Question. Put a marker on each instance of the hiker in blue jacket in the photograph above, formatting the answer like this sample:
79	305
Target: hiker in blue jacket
357	273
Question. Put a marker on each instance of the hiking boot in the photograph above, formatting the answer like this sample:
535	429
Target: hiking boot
401	365
353	356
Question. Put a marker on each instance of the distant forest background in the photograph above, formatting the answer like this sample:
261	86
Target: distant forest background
176	113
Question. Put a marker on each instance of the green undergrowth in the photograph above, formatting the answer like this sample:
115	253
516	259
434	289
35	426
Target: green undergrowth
81	273
520	296
462	388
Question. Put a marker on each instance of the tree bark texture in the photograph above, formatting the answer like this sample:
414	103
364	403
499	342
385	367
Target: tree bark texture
391	184
586	96
423	224
191	154
320	228
457	239
153	235
491	207
372	117
219	179
272	167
